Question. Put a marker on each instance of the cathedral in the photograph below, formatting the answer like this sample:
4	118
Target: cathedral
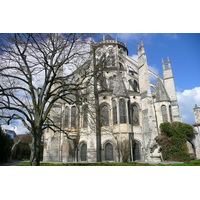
129	106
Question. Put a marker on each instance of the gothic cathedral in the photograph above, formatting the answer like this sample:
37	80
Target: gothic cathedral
130	109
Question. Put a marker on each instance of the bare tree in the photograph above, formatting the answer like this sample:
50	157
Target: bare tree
35	73
125	150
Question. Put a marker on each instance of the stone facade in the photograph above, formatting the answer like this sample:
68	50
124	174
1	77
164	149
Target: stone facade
131	109
196	140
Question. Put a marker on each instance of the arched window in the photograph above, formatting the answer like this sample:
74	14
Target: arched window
66	117
114	112
131	84
110	61
129	112
170	113
135	115
84	152
121	66
73	116
122	111
85	116
104	112
136	86
111	85
164	113
108	152
57	116
103	83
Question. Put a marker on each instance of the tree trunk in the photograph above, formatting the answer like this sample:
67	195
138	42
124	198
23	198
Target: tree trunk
35	149
97	111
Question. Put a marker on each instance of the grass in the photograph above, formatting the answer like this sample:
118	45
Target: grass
191	163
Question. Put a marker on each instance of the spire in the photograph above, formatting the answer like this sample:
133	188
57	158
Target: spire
161	93
141	49
141	43
119	87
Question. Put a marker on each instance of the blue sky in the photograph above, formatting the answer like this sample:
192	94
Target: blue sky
183	49
184	53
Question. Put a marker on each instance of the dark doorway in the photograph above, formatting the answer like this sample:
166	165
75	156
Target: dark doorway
136	151
84	152
108	152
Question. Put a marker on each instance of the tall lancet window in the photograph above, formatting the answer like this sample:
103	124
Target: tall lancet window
103	83
85	116
129	112
111	83
135	115
67	117
170	113
164	113
114	112
122	111
104	112
73	116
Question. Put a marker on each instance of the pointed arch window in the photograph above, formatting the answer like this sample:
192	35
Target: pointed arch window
122	111
121	66
170	113
103	83
136	86
67	117
164	113
114	112
135	115
110	61
73	116
57	116
85	116
108	152
111	85
129	112
104	112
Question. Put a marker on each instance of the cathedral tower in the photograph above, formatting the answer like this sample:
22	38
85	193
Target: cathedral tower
168	80
197	114
149	128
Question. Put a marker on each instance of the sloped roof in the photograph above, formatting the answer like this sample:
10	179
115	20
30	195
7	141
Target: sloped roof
161	93
108	37
119	87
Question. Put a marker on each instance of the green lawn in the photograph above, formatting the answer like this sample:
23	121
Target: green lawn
192	163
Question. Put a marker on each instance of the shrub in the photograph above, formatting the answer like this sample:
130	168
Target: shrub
173	140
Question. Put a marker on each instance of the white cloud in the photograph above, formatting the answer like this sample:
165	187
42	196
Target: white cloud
187	100
134	57
17	126
154	69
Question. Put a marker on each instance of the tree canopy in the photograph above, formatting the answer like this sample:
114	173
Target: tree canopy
36	72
